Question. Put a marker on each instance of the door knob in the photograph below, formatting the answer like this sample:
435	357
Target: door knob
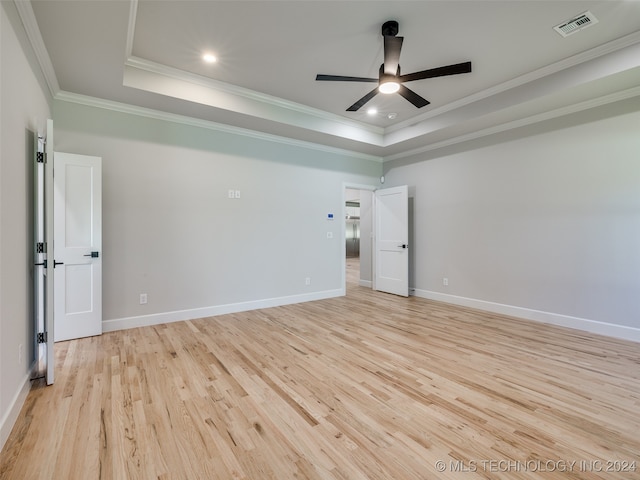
92	255
404	245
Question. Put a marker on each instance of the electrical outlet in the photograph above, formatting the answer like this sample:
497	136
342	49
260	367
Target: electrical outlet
143	299
237	194
445	281
307	281
232	194
329	234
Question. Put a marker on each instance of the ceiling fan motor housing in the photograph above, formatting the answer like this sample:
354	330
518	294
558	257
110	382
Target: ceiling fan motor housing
390	28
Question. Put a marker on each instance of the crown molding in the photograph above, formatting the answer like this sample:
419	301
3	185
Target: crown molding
28	18
131	27
227	88
207	124
178	87
624	57
522	122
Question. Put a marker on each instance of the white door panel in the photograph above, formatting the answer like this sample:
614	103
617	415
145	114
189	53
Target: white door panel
78	246
78	287
392	245
78	199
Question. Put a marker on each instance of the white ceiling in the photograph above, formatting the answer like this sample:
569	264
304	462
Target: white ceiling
147	55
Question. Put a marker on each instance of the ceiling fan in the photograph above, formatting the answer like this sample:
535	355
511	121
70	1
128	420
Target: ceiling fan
389	79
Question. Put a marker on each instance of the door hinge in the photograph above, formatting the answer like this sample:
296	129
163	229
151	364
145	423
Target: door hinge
40	247
40	157
42	337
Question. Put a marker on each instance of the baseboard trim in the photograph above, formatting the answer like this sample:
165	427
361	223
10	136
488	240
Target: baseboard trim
365	283
180	315
9	419
592	326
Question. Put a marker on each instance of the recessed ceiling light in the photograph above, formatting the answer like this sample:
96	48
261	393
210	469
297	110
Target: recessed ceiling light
392	116
372	111
209	58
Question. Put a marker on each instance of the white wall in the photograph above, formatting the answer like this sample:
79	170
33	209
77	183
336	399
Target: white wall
543	224
24	106
170	230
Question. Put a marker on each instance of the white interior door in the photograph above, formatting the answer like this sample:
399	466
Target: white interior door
392	240
43	237
77	246
40	267
48	227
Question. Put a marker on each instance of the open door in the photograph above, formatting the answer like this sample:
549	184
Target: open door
392	240
43	238
77	262
48	190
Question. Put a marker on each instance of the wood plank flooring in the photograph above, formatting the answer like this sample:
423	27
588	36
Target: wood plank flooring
368	386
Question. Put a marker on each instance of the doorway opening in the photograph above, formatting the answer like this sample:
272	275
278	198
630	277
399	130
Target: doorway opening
382	260
358	235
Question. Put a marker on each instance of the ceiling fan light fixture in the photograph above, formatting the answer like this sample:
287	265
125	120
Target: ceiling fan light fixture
209	58
389	86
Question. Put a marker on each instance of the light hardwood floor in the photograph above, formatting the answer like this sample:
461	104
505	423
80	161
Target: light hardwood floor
369	386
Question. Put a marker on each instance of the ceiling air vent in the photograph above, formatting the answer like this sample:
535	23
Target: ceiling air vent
583	20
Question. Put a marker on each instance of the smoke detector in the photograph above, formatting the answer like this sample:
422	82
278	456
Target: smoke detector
576	24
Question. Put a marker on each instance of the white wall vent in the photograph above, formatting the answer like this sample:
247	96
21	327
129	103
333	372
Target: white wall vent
576	24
